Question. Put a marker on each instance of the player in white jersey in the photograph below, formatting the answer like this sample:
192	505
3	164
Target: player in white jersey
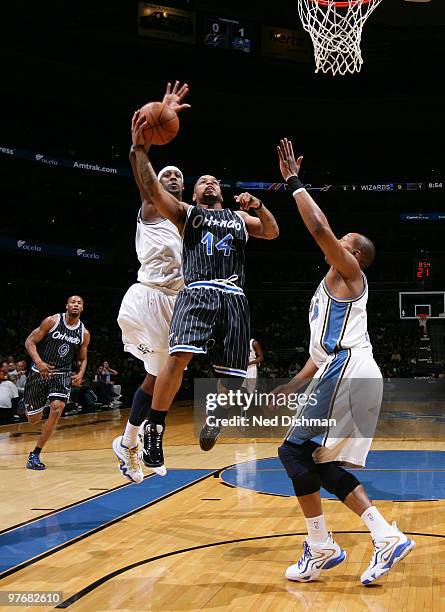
347	385
256	357
147	307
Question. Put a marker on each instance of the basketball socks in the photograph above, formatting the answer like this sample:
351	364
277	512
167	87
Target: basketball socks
316	530
37	450
157	417
140	407
139	411
130	437
376	524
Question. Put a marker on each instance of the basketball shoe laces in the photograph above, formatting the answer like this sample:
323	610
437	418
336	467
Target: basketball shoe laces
133	459
154	441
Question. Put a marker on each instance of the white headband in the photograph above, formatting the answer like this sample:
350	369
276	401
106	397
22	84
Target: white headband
170	168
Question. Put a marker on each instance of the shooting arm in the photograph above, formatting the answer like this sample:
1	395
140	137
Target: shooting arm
166	204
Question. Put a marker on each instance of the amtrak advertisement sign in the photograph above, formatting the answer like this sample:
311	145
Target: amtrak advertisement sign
32	247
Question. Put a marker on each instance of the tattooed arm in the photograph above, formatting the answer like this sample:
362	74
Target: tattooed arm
166	204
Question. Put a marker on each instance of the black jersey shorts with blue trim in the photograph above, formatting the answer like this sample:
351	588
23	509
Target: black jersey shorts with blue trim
213	318
40	392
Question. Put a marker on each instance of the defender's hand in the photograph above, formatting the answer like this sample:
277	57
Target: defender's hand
173	97
288	164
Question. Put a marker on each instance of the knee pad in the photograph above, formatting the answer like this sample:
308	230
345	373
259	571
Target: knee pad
231	383
300	467
336	480
307	483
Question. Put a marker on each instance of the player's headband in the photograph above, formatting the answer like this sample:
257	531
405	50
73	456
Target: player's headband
170	169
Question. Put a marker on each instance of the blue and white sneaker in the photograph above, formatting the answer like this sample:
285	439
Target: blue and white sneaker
315	559
34	462
387	552
128	458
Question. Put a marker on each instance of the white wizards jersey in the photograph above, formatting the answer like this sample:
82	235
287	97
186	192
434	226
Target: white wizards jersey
336	323
159	250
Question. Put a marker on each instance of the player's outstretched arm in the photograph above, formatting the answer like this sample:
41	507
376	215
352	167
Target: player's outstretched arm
314	218
166	204
32	341
264	225
173	98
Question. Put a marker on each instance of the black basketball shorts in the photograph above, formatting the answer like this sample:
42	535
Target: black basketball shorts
215	321
40	393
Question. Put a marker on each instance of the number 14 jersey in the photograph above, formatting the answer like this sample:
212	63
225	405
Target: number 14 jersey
213	245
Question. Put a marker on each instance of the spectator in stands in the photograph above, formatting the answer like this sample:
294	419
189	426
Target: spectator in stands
396	357
8	399
21	370
107	373
102	389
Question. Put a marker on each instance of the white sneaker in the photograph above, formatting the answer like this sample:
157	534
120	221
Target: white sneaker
315	559
387	552
129	463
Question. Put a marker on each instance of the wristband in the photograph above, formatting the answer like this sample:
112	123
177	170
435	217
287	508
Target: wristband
294	184
258	207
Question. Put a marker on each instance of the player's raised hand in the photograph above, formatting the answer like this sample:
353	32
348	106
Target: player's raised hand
173	97
247	200
288	164
138	123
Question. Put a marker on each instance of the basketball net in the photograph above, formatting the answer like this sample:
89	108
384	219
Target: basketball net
336	32
423	318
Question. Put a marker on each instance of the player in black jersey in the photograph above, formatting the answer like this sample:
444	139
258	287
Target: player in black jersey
63	341
211	313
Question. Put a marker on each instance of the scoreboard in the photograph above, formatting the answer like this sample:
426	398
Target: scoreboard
423	270
230	34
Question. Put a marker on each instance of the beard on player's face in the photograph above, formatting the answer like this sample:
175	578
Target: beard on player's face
175	190
209	199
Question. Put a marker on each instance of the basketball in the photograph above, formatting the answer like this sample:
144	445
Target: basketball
163	123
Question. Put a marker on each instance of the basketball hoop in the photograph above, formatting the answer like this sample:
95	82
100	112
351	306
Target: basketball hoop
336	31
423	318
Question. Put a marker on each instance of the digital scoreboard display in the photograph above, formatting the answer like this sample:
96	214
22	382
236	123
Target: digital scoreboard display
226	33
423	269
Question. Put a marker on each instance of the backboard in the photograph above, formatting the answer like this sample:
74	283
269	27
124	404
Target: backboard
415	303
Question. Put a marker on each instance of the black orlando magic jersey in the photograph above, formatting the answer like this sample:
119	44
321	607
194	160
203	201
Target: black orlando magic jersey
61	344
213	245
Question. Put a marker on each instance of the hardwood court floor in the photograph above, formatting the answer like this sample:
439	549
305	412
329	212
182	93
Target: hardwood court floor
204	545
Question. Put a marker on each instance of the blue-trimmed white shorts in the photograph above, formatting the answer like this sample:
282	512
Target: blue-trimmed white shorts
213	318
348	389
